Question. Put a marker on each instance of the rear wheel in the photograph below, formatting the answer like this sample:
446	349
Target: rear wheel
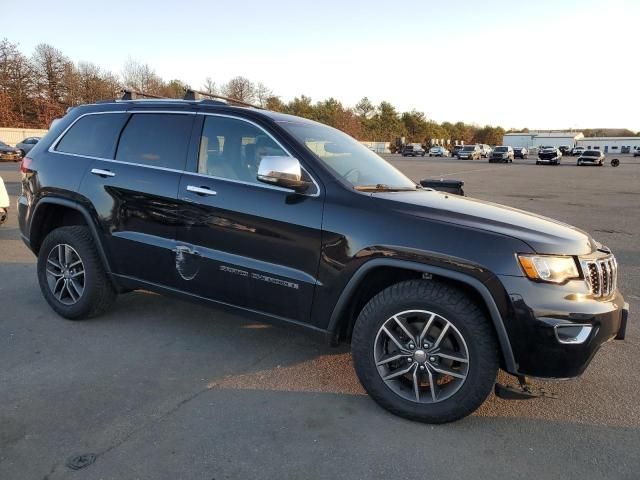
424	351
71	276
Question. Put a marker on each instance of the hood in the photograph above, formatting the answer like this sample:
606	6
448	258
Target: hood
8	149
542	234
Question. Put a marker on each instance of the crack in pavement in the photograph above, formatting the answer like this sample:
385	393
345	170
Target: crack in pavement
172	410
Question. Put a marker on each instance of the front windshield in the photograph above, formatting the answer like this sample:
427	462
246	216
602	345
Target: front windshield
501	149
348	158
591	153
468	149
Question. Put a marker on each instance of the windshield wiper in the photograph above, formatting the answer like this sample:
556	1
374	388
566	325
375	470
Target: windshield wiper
381	187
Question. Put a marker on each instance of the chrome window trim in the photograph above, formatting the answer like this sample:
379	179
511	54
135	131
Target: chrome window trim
54	144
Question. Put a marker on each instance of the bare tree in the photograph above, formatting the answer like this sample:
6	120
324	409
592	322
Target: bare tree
240	88
94	83
50	68
263	94
210	86
141	77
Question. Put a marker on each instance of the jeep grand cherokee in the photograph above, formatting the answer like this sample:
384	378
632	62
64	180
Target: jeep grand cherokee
288	220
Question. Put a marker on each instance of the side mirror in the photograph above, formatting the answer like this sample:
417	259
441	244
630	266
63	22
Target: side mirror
283	172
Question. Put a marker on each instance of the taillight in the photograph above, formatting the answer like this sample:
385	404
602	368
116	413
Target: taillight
25	165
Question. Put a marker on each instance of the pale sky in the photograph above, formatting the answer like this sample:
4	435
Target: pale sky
536	64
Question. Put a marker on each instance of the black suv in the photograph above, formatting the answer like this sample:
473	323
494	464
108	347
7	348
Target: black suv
290	221
413	151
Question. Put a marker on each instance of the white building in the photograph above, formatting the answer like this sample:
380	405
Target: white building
611	144
539	139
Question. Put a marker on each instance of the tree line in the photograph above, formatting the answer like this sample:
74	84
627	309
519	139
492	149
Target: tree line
38	88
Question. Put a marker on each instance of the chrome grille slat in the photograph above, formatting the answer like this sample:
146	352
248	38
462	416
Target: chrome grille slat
601	275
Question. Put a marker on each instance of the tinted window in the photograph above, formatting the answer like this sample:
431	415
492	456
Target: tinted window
231	148
502	149
157	139
93	135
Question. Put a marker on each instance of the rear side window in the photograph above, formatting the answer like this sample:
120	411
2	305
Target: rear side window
93	135
156	139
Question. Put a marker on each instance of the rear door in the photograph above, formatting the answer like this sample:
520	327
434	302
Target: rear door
246	243
134	191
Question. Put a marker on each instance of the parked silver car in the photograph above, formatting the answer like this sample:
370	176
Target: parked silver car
438	151
591	157
27	144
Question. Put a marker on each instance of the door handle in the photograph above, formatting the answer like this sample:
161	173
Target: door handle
102	173
200	190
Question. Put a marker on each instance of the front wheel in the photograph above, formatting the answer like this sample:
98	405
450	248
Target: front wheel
71	276
425	351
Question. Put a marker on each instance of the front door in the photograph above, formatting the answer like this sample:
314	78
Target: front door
243	242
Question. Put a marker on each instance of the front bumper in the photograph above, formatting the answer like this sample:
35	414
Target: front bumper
555	330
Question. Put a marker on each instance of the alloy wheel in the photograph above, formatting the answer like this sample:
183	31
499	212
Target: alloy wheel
65	274
421	356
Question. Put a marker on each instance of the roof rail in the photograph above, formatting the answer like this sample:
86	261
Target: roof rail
191	94
135	94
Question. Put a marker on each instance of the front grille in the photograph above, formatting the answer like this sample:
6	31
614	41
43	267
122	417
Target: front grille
601	275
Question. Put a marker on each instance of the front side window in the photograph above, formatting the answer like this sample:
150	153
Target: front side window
348	158
93	135
232	149
156	139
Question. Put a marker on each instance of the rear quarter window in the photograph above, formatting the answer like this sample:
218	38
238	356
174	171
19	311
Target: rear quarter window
94	135
156	139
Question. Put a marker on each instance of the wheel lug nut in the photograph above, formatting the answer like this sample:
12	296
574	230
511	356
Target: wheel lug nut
432	359
409	360
421	367
426	345
412	346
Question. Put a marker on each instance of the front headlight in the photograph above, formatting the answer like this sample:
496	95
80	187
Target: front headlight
547	268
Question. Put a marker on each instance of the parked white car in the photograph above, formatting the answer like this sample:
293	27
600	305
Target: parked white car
4	202
485	150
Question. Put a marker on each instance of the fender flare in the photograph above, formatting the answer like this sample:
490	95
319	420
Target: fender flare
477	285
88	219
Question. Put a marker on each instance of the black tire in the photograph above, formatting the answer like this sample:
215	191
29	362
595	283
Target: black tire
98	294
461	312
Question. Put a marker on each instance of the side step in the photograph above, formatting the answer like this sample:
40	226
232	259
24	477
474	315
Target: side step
523	391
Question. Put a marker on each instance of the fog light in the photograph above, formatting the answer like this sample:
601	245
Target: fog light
574	334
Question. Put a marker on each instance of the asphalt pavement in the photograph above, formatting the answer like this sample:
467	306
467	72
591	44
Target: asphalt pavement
159	388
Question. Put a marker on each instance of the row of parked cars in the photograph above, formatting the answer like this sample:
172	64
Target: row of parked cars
549	155
465	152
15	154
